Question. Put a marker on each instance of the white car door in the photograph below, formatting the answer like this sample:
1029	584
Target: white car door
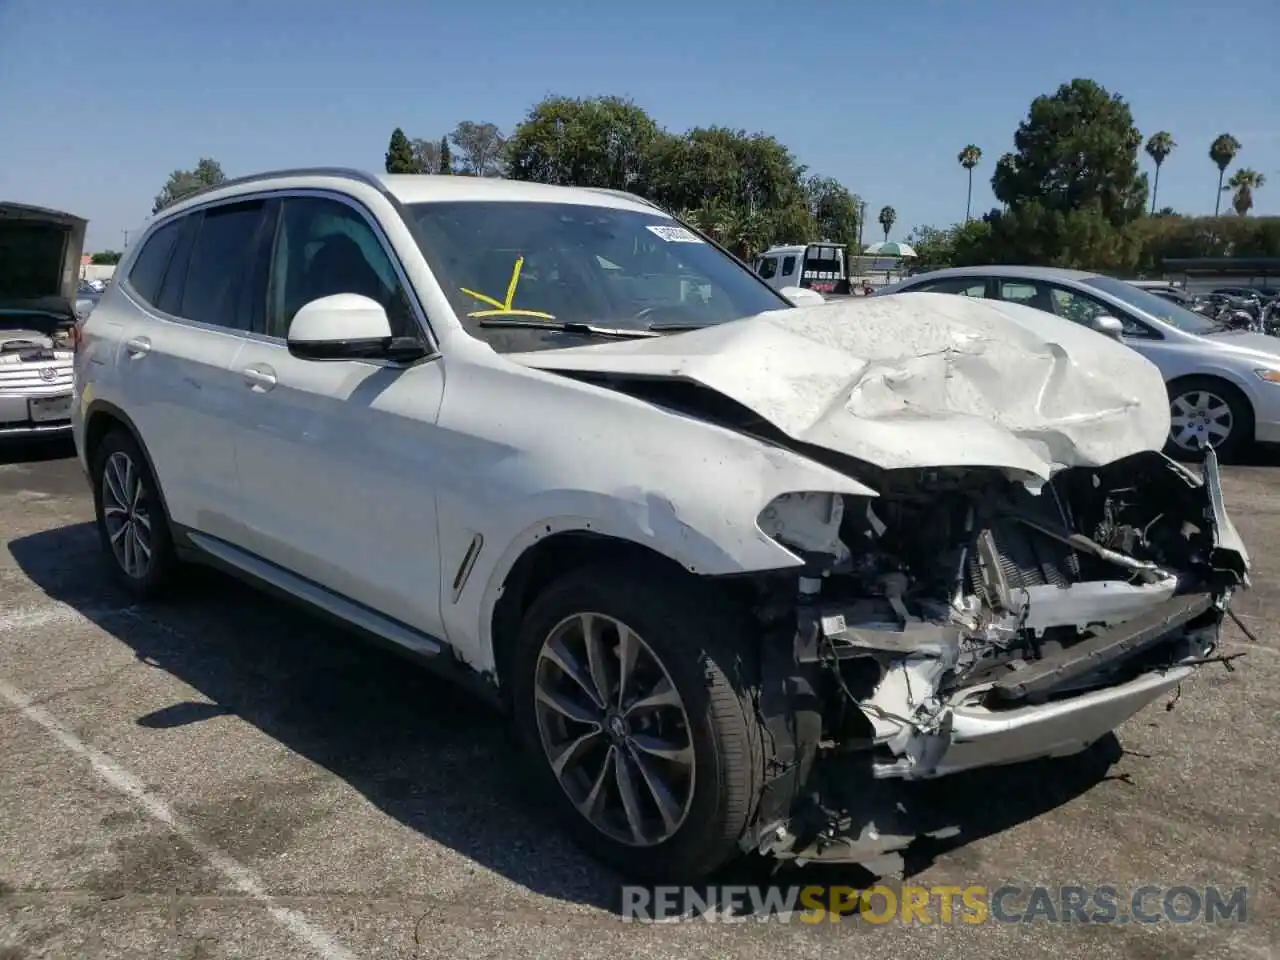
178	338
335	458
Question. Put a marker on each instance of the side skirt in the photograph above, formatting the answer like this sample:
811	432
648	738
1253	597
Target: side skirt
399	638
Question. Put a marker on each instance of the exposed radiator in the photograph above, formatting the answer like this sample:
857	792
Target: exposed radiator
1027	557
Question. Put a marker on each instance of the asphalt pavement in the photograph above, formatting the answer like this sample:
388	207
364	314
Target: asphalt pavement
223	776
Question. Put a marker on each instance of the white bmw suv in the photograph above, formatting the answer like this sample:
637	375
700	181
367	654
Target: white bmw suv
734	567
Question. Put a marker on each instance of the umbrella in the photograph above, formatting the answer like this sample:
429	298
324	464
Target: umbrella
890	249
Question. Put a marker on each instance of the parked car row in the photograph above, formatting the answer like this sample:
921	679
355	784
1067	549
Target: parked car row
1223	383
733	568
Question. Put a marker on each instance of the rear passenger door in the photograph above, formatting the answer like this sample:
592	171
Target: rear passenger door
195	300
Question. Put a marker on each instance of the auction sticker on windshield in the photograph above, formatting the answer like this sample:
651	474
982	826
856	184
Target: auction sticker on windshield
675	234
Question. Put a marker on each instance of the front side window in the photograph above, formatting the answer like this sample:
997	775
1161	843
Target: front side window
1179	317
768	268
572	263
1083	309
325	247
220	265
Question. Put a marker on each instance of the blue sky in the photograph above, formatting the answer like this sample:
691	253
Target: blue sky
99	101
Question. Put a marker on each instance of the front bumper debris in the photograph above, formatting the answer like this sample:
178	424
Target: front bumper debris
1138	640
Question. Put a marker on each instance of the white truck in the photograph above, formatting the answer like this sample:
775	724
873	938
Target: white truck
821	267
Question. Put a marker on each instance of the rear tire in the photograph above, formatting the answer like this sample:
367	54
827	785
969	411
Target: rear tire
1207	409
132	524
688	649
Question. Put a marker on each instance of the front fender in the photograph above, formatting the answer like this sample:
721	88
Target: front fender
705	521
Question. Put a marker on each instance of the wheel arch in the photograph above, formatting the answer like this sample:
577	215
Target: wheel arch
100	419
547	559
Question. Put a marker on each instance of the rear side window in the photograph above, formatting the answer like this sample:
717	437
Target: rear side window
148	269
221	258
964	286
788	266
170	299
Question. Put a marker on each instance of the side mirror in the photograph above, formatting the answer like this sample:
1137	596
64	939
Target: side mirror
347	326
800	297
1108	326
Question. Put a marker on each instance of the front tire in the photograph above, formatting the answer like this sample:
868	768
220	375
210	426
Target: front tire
1207	411
632	696
132	525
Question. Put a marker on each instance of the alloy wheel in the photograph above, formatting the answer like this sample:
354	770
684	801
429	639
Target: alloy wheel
614	729
1199	419
126	513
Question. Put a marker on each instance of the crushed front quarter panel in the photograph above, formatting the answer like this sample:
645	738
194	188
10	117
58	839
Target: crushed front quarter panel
914	380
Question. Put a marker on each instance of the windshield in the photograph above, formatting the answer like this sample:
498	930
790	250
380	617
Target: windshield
570	263
1171	313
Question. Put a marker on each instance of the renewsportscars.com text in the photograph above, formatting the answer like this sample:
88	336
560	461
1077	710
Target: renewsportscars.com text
973	904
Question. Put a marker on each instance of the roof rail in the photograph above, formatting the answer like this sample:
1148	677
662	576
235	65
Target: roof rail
346	173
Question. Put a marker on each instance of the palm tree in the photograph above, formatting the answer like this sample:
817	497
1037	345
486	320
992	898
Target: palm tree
1222	151
1158	149
1244	181
969	158
887	217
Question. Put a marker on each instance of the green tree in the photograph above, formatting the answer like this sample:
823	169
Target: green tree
400	158
105	257
834	210
426	155
934	247
888	217
969	158
183	183
1077	146
1158	148
481	146
1222	151
1243	183
722	175
592	142
1072	188
446	156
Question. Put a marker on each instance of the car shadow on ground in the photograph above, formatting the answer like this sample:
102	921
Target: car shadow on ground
425	752
39	450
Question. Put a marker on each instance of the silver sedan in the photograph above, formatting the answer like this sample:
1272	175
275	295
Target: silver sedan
1224	385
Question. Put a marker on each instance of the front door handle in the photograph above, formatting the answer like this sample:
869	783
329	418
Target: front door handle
138	347
259	377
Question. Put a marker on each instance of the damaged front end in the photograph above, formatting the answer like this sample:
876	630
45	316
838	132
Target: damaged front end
962	620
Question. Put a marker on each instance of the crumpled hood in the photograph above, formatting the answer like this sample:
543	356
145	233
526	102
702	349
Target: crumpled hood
915	380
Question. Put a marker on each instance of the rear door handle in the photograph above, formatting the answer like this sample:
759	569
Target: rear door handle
259	377
138	347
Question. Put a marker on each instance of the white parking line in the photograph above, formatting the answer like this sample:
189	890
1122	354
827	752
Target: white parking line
120	779
49	613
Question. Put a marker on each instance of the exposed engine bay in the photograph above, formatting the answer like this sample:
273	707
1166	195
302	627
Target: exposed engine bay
964	619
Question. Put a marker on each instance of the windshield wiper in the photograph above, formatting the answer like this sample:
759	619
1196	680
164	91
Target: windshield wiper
675	327
564	326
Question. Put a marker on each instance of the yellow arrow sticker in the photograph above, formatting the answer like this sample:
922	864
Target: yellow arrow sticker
503	308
